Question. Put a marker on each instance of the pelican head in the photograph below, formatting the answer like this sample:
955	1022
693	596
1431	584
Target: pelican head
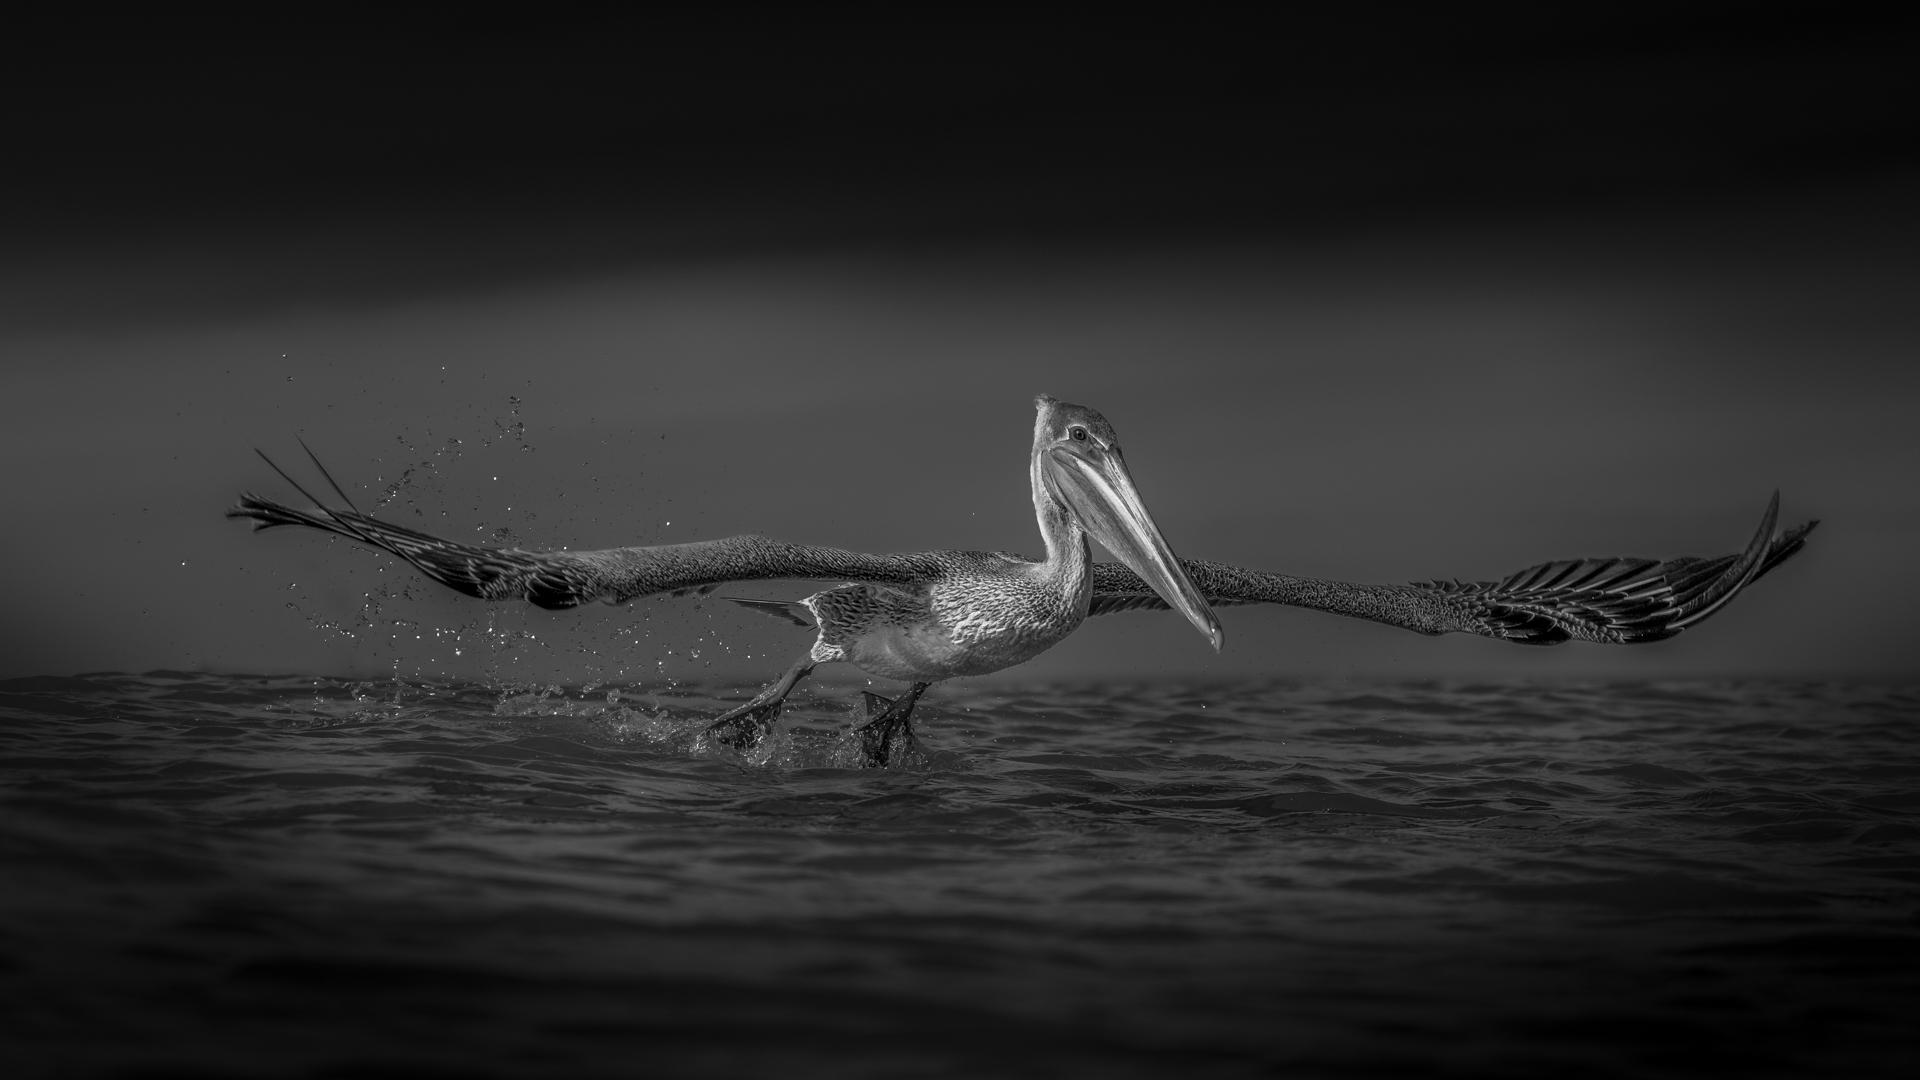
1077	459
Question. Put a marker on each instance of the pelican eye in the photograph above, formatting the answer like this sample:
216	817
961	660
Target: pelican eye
1078	434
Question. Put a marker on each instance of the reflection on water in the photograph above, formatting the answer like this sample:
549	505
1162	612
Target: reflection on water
297	876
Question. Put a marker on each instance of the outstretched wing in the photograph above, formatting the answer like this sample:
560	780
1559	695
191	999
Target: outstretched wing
1620	600
563	579
1616	600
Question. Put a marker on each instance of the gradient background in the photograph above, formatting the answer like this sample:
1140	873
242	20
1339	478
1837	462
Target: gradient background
1376	301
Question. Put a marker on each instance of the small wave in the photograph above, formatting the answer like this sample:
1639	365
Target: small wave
1394	871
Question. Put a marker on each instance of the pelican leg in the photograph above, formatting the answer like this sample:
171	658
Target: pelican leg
744	727
886	737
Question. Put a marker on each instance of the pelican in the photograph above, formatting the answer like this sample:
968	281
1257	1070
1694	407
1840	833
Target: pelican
924	617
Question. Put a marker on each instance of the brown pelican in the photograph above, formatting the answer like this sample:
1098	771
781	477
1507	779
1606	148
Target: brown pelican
927	616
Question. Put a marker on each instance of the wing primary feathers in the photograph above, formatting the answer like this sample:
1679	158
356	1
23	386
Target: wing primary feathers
333	522
563	579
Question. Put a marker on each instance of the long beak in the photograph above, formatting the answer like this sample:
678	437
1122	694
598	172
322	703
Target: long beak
1100	490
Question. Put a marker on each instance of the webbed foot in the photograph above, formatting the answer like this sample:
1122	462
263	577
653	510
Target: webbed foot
887	737
744	727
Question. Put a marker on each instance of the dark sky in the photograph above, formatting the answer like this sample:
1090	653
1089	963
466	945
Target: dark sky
643	138
1368	297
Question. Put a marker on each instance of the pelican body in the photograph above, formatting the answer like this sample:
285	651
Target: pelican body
924	617
979	612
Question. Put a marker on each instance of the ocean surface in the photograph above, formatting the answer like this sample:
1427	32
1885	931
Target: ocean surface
210	875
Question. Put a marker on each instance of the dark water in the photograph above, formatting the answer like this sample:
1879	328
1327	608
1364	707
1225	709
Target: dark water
209	875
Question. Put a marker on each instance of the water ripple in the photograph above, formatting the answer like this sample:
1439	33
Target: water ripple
221	874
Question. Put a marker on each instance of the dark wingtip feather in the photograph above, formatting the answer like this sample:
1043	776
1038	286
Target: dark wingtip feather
1715	595
331	482
785	610
1785	546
